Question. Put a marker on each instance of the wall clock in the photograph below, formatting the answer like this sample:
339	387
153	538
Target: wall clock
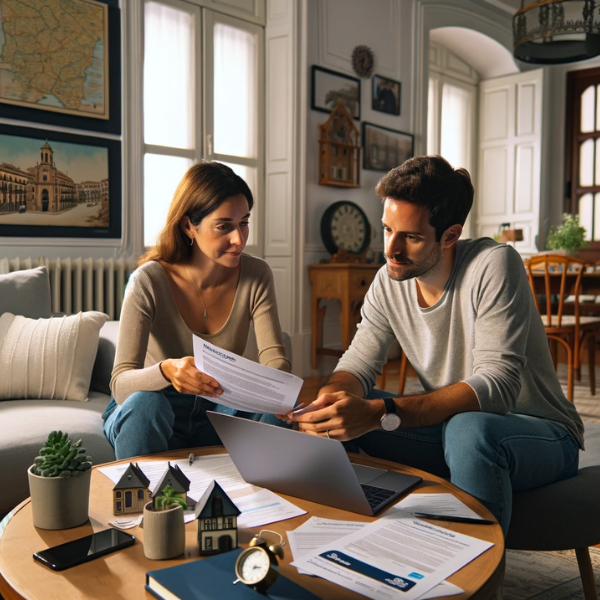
345	225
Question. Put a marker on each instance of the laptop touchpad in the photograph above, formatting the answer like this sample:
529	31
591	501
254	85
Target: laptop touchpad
397	482
367	474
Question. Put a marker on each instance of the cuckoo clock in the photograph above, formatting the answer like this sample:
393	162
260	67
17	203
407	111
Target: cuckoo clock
339	150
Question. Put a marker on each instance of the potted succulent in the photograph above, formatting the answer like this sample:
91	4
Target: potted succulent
59	483
164	527
569	236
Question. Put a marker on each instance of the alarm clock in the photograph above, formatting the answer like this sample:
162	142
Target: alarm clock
257	565
345	225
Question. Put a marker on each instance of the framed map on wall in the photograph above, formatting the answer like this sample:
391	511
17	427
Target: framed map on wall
55	184
59	62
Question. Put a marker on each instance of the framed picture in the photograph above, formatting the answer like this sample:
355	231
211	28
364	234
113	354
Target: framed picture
385	148
386	95
328	87
55	184
68	73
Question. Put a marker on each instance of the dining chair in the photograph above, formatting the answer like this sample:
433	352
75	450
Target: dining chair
562	276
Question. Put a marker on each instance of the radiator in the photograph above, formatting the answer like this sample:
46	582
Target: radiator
81	283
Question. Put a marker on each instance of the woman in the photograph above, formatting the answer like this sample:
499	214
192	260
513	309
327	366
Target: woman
194	281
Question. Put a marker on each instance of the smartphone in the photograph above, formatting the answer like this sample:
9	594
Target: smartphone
84	549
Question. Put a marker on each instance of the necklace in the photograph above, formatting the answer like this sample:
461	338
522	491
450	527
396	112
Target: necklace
200	295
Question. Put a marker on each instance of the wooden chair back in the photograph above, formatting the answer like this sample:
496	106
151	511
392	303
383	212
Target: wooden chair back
555	266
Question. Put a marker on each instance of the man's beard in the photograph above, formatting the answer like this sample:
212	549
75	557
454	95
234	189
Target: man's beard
413	269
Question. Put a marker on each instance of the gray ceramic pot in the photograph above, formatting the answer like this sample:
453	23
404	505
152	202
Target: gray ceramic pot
59	502
164	532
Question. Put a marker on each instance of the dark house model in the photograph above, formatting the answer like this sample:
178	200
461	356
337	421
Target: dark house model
217	521
174	477
131	493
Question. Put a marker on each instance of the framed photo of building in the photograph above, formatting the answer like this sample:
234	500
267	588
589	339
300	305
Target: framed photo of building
329	86
386	95
68	71
55	184
385	148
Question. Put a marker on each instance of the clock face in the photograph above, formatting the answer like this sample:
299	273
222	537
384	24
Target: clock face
253	566
345	225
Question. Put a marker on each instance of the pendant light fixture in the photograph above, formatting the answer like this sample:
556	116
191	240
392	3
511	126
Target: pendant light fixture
557	31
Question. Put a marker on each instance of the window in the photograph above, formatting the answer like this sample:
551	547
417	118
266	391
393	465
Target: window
141	494
128	499
583	150
208	543
211	107
208	524
118	495
119	507
229	523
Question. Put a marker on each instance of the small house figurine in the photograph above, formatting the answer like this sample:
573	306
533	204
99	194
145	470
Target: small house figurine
339	150
174	477
217	521
131	493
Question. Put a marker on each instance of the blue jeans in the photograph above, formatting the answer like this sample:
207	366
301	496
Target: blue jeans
488	456
149	422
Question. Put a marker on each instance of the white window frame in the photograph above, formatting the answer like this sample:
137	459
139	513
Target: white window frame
210	18
203	125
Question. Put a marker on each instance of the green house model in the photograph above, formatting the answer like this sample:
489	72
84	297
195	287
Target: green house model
217	521
174	477
131	493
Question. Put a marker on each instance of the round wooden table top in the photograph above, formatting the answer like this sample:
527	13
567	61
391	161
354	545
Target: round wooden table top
122	574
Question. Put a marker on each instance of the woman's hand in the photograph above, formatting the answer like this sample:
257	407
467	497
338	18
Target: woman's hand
186	379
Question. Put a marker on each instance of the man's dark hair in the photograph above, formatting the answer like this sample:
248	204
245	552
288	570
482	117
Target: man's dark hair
430	181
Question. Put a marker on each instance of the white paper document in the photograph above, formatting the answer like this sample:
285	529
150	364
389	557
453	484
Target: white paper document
316	532
397	556
264	507
247	385
436	504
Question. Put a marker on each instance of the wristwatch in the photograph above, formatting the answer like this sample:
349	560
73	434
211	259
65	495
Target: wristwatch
391	420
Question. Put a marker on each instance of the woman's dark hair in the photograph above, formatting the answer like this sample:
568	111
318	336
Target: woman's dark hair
204	187
430	181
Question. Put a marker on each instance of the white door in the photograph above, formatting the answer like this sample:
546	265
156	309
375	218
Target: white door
509	163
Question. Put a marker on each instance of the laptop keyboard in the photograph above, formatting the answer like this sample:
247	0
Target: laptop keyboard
376	496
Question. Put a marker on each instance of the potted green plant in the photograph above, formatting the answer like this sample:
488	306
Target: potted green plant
164	527
569	236
59	483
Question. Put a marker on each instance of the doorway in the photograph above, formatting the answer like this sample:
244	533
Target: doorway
45	200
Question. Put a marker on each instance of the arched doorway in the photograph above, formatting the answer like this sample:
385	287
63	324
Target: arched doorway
45	200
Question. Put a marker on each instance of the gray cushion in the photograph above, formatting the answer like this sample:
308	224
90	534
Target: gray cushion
26	293
565	514
25	427
105	358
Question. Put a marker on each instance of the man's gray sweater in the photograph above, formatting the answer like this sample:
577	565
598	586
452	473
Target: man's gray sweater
484	331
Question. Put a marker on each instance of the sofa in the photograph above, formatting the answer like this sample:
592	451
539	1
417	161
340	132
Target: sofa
27	423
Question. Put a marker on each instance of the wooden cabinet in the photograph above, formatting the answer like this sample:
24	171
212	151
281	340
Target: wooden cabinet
345	282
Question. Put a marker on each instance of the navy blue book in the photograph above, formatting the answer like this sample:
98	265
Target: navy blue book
212	579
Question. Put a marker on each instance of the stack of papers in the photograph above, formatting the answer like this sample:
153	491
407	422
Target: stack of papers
396	556
258	506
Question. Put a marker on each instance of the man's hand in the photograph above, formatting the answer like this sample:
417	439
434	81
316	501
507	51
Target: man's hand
345	415
187	379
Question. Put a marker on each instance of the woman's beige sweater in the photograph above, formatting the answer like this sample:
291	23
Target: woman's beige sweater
152	328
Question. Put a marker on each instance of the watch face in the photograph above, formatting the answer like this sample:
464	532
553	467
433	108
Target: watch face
345	225
390	422
253	565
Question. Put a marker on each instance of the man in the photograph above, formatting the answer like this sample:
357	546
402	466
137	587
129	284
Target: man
493	415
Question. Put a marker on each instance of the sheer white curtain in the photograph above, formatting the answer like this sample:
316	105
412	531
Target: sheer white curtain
234	91
168	76
455	125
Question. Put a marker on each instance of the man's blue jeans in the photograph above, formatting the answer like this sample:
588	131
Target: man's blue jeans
488	456
149	422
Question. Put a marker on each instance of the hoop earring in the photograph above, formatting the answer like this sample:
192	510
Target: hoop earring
191	241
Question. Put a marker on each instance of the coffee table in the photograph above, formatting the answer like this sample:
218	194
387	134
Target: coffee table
122	574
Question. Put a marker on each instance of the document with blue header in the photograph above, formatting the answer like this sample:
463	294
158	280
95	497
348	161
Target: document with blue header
398	556
247	385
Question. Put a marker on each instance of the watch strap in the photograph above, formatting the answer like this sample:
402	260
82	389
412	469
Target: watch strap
390	405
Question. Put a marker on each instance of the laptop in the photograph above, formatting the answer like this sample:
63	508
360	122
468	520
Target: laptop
308	467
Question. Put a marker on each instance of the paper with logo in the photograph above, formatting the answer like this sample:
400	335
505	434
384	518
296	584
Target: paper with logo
247	385
318	531
437	504
394	557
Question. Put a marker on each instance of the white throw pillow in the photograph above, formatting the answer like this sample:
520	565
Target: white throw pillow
48	358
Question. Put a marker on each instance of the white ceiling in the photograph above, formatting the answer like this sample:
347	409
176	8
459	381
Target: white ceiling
488	57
